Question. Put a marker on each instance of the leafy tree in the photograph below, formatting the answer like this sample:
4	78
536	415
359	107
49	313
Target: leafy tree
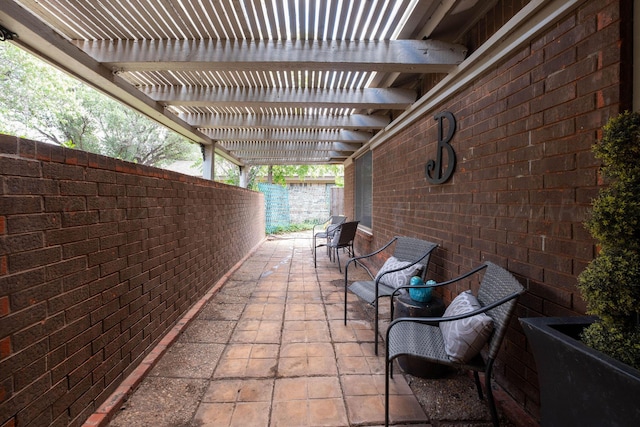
40	102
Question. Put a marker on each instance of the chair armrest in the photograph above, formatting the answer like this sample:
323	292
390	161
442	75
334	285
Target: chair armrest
448	282
459	316
313	230
359	257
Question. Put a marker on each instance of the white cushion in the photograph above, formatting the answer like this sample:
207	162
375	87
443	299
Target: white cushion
397	278
464	338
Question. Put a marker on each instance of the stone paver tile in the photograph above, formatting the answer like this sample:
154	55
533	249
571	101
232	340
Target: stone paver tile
365	409
231	368
334	298
311	286
327	412
305	331
263	311
250	414
315	412
354	331
188	360
218	311
208	331
304	311
405	408
269	296
360	365
248	360
256	331
306	388
261	368
371	385
163	402
307	349
214	414
289	413
313	297
300	366
359	385
251	390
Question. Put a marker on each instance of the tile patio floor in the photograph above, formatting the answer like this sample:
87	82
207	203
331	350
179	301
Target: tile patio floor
270	349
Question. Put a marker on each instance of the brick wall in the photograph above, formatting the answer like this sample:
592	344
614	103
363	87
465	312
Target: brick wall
525	174
98	260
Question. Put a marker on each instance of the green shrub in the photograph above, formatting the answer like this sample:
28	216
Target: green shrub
610	285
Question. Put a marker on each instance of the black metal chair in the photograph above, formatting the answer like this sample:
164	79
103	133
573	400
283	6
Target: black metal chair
328	228
342	238
423	337
411	251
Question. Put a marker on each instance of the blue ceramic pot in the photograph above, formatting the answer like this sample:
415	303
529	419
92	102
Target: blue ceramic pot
420	294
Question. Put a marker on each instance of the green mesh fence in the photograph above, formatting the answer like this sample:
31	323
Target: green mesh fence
276	200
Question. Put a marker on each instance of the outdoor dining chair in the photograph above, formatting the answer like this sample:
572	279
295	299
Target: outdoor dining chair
457	338
410	257
328	228
342	238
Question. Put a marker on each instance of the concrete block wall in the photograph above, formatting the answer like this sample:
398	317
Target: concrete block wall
525	175
98	260
309	202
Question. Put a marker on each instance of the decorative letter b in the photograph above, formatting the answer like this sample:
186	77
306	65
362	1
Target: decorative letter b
433	170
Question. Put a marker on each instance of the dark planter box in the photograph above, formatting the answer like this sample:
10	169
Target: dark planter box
580	386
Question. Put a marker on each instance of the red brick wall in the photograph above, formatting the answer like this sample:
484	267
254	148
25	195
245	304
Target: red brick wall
524	178
98	260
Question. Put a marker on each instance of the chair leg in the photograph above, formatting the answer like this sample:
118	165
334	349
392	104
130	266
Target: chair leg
387	368
476	377
338	258
346	285
490	400
376	326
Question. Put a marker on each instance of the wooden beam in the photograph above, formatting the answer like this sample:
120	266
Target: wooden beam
287	135
259	121
308	98
235	146
407	56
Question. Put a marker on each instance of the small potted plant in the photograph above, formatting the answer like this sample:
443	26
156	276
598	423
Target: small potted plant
589	368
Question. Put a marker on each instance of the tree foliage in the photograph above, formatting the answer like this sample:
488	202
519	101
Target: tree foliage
610	285
42	103
277	174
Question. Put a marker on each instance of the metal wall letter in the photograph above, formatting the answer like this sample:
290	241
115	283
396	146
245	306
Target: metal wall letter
433	170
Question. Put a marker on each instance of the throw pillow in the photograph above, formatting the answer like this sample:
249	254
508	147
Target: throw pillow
464	338
397	278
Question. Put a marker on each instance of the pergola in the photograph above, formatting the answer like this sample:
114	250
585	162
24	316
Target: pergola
275	82
260	82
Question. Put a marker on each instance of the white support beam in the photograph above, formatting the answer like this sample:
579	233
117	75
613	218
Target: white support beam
290	146
372	98
287	135
408	56
258	121
244	177
208	164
